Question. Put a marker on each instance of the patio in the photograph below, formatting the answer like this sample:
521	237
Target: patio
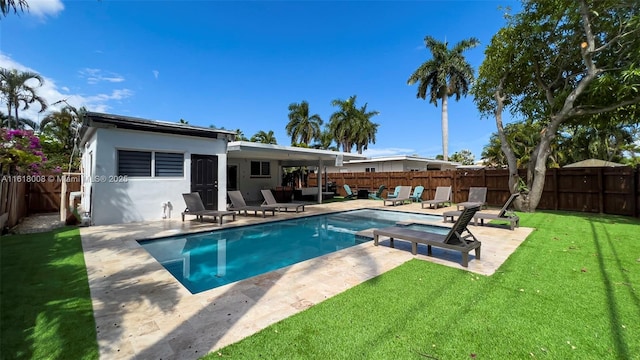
142	311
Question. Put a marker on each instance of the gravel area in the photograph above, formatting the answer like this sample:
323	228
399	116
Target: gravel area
38	223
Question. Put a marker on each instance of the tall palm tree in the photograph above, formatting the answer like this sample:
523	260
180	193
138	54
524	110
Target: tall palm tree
16	92
301	126
60	134
446	74
264	137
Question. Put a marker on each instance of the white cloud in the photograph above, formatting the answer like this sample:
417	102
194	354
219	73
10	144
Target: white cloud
156	73
95	76
44	8
53	93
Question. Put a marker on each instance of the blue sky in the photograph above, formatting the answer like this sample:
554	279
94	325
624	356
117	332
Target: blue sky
240	64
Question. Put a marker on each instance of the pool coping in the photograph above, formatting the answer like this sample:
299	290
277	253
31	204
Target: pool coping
142	311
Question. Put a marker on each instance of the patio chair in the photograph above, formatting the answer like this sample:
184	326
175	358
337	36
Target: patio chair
417	194
404	194
459	237
196	207
503	214
443	196
271	202
238	204
378	194
395	193
477	195
350	194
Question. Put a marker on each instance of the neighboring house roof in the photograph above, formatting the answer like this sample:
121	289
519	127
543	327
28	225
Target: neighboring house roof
288	155
100	120
403	158
593	163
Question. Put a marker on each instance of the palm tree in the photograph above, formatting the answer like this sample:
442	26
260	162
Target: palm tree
366	130
342	123
7	5
447	73
60	132
301	126
20	124
324	141
352	126
16	92
264	137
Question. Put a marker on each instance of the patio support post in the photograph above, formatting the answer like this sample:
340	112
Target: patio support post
319	181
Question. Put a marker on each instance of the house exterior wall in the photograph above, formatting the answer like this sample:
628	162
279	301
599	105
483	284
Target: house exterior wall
390	166
250	186
116	200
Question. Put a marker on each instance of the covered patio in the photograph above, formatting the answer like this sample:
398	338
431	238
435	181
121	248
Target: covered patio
254	166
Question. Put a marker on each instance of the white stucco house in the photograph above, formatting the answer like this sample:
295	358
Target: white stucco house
393	163
137	169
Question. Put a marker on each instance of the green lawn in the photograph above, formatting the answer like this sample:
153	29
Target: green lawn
569	292
45	306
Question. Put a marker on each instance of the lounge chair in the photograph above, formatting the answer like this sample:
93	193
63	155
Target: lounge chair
417	193
378	194
238	204
270	201
443	196
395	193
347	190
481	216
196	207
459	237
403	196
477	195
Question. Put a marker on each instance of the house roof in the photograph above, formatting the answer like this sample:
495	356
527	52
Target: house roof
593	163
100	120
288	155
403	158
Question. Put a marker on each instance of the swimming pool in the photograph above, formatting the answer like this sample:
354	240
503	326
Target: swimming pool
208	260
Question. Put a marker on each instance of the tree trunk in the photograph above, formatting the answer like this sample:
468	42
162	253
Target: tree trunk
445	128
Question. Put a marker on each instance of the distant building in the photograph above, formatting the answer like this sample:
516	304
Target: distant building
593	163
393	163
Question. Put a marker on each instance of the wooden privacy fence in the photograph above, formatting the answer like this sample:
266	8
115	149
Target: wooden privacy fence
608	190
32	194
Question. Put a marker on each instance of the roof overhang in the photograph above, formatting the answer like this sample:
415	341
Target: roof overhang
287	155
94	120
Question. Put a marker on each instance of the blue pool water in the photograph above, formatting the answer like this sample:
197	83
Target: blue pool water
207	260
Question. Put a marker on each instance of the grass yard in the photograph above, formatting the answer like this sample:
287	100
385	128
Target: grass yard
45	305
569	292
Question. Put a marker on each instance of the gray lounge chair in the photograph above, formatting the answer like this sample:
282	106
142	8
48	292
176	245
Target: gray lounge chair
404	195
481	216
443	196
459	237
477	196
196	207
270	201
238	204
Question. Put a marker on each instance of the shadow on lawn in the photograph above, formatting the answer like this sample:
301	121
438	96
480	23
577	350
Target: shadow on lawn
44	298
191	329
614	316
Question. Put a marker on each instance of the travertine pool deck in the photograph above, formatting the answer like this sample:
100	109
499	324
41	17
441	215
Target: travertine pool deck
142	312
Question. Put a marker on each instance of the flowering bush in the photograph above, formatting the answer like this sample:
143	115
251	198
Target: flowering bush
21	152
